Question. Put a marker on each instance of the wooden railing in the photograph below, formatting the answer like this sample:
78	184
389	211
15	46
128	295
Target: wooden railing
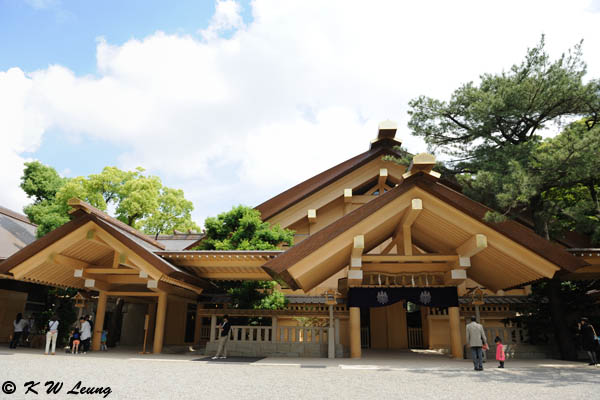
285	334
415	338
508	335
204	332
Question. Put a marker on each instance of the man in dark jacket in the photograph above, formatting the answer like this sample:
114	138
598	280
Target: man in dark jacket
589	340
224	329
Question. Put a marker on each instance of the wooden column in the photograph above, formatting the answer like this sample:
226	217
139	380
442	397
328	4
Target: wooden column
337	331
198	327
330	335
455	337
213	327
355	350
99	322
275	336
159	329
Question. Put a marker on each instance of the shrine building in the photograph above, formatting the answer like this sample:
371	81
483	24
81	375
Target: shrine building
385	256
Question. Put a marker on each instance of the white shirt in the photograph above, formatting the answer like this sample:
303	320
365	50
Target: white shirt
19	326
53	326
86	330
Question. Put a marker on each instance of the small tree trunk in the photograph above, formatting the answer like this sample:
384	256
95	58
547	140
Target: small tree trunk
564	338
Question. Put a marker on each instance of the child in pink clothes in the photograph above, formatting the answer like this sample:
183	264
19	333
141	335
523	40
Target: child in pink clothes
500	357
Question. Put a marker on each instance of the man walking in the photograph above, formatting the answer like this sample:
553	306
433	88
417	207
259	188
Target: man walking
476	340
224	329
86	334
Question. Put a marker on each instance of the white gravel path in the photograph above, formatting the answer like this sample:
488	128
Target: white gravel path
132	376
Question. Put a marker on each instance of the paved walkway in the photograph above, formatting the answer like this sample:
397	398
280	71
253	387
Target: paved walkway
405	375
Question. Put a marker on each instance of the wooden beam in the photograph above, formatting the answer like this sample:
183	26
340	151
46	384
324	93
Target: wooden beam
124	279
455	276
383	175
67	261
234	276
133	294
404	226
407	259
422	162
406	268
163	287
312	216
358	246
347	195
111	271
472	246
91	283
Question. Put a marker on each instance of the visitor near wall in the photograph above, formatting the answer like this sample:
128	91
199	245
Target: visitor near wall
224	329
52	334
477	340
19	325
589	339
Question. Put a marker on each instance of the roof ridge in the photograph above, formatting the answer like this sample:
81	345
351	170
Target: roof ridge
302	190
15	215
78	204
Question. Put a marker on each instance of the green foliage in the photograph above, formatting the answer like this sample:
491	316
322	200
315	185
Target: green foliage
508	108
61	303
242	229
140	201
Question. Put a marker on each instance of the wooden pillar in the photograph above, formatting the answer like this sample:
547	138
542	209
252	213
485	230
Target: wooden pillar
159	329
355	350
337	331
213	327
198	328
99	322
455	337
330	335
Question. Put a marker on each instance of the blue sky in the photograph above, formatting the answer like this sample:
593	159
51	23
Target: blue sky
235	101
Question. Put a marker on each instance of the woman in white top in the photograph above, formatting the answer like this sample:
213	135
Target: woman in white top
86	334
19	325
52	334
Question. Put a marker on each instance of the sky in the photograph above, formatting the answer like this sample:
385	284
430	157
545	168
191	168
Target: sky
236	101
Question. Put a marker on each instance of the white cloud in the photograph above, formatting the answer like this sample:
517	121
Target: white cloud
244	111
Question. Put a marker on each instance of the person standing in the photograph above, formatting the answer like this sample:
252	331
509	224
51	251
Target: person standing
19	325
85	334
477	341
224	329
52	334
500	356
589	339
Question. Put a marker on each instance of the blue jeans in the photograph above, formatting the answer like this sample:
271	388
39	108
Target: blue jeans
477	355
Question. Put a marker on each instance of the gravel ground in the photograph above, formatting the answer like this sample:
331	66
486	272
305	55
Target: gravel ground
405	376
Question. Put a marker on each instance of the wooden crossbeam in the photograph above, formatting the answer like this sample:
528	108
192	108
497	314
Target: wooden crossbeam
409	268
455	276
347	195
474	245
358	246
403	229
312	216
383	175
67	261
408	259
124	279
118	271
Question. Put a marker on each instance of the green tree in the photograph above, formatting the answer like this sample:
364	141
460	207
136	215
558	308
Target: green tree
241	228
492	132
139	200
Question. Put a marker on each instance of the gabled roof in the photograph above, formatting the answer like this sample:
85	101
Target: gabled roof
301	191
133	239
179	241
77	205
16	232
512	230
